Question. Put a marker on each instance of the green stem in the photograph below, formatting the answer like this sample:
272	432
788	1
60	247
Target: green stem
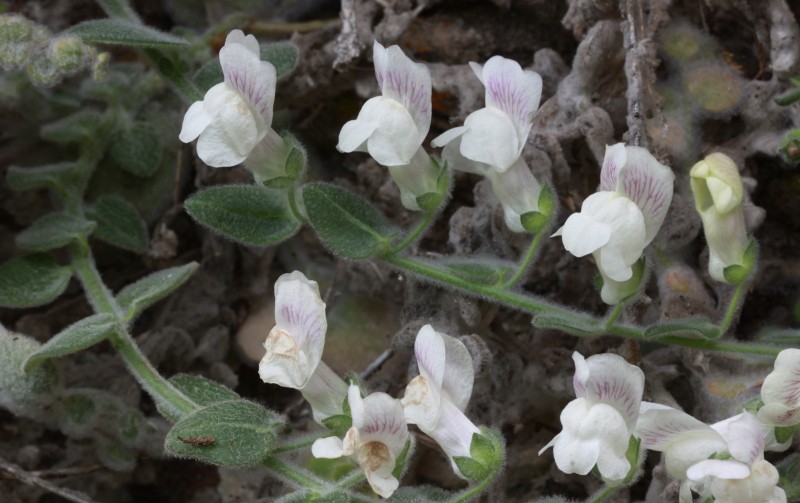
292	195
537	305
305	441
297	476
414	234
736	300
473	492
602	494
613	315
351	479
527	259
174	403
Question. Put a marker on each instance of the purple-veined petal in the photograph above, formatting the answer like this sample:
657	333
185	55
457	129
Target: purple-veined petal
430	351
406	82
782	385
384	422
453	432
459	375
491	138
659	425
647	183
512	90
252	78
744	437
779	415
194	122
299	310
614	160
726	469
609	379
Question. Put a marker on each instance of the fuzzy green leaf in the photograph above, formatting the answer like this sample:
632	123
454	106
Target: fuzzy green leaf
136	148
80	335
65	177
32	281
233	434
245	213
121	32
203	391
701	328
53	231
142	294
118	224
119	9
346	223
789	476
282	55
76	128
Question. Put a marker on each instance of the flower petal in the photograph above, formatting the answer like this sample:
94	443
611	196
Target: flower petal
383	421
453	433
252	78
430	351
609	379
725	469
659	425
518	192
448	136
451	154
779	415
458	376
232	133
387	128
384	484
574	455
354	134
582	235
329	448
299	310
513	91
744	437
647	183
248	41
357	410
194	122
406	82
491	138
325	392
782	385
614	159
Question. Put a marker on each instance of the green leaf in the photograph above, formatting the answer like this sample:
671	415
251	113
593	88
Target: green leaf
700	327
245	213
296	160
282	55
233	434
783	434
32	281
142	294
203	391
789	476
470	468
53	231
121	32
788	98
136	148
346	223
65	177
118	224
80	335
79	127
209	75
420	494
119	9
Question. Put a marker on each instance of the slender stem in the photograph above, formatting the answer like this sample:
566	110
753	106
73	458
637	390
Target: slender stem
294	443
736	300
537	305
172	400
351	479
602	494
613	315
415	233
297	476
473	492
526	260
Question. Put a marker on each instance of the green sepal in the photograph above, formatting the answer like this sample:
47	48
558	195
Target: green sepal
233	434
783	434
338	423
244	213
76	337
296	160
739	273
789	147
118	224
123	32
136	148
32	281
754	405
488	448
533	221
279	183
54	230
346	223
633	456
701	328
429	202
138	296
402	459
788	98
470	468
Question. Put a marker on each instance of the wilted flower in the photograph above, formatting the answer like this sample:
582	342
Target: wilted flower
598	425
618	222
435	400
294	347
718	195
236	114
781	391
375	441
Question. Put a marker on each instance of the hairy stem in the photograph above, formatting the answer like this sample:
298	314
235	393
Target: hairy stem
736	301
602	494
527	259
415	233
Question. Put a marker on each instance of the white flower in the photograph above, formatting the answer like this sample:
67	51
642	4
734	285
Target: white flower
781	391
375	441
391	127
598	425
618	222
491	140
237	113
435	400
294	347
718	195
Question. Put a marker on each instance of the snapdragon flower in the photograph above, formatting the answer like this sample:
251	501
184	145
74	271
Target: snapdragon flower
392	127
718	195
235	115
618	222
435	400
781	391
598	425
294	347
376	439
491	140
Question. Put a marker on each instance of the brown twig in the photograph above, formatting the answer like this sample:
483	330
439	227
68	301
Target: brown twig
31	478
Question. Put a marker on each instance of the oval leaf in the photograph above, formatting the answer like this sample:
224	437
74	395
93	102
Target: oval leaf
53	231
282	55
32	281
118	224
142	294
136	149
346	223
78	127
203	391
80	335
237	433
120	32
65	177
244	213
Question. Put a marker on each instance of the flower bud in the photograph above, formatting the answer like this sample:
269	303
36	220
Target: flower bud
67	53
15	37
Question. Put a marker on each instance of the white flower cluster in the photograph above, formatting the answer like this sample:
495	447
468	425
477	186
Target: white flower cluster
724	460
435	400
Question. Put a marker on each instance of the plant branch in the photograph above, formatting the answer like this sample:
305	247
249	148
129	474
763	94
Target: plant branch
31	479
527	259
412	236
736	301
